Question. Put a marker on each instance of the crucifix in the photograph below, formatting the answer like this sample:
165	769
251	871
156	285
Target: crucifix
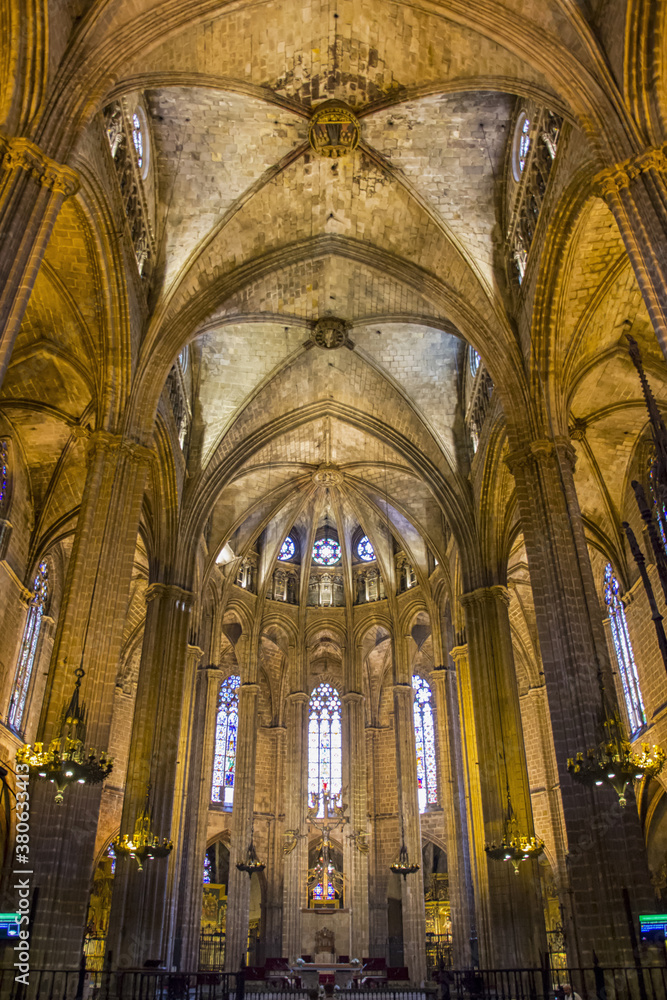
324	872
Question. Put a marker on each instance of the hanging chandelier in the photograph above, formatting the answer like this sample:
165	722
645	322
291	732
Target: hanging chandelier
250	863
515	847
143	845
612	760
65	761
402	865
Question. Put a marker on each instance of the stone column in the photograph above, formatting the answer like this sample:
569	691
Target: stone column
32	190
452	798
608	874
414	913
357	853
195	804
473	802
636	193
514	934
238	905
296	830
140	907
89	631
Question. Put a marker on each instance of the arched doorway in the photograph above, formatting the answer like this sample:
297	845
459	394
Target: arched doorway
99	907
214	907
436	903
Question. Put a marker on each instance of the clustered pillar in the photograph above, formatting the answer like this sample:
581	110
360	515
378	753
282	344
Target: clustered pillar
139	924
512	923
604	842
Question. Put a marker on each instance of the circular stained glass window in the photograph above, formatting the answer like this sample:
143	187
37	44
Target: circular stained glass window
475	361
287	549
326	552
365	550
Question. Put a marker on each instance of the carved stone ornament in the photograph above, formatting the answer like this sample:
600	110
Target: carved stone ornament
330	332
328	475
334	130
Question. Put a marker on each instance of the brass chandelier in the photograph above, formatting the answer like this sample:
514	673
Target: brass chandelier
65	761
143	845
612	760
403	865
250	863
515	847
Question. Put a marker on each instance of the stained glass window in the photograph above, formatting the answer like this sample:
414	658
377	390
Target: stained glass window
624	655
365	550
207	870
524	143
325	756
474	361
3	475
660	513
28	649
521	145
427	782
226	729
326	552
110	852
287	549
138	139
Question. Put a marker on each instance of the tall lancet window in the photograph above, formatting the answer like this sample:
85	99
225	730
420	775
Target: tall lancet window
28	650
427	781
226	731
325	750
624	655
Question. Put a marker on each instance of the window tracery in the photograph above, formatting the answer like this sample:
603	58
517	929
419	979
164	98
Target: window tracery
246	575
284	586
405	573
325	589
179	397
226	731
326	551
427	782
325	751
365	549
128	145
531	171
624	653
369	585
287	549
4	477
28	650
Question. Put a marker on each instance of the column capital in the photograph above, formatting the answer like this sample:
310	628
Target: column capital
105	441
19	153
352	696
298	697
249	687
540	449
171	592
458	653
482	595
610	181
211	669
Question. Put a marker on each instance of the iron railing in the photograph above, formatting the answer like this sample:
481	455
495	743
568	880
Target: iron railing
211	951
48	984
596	983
